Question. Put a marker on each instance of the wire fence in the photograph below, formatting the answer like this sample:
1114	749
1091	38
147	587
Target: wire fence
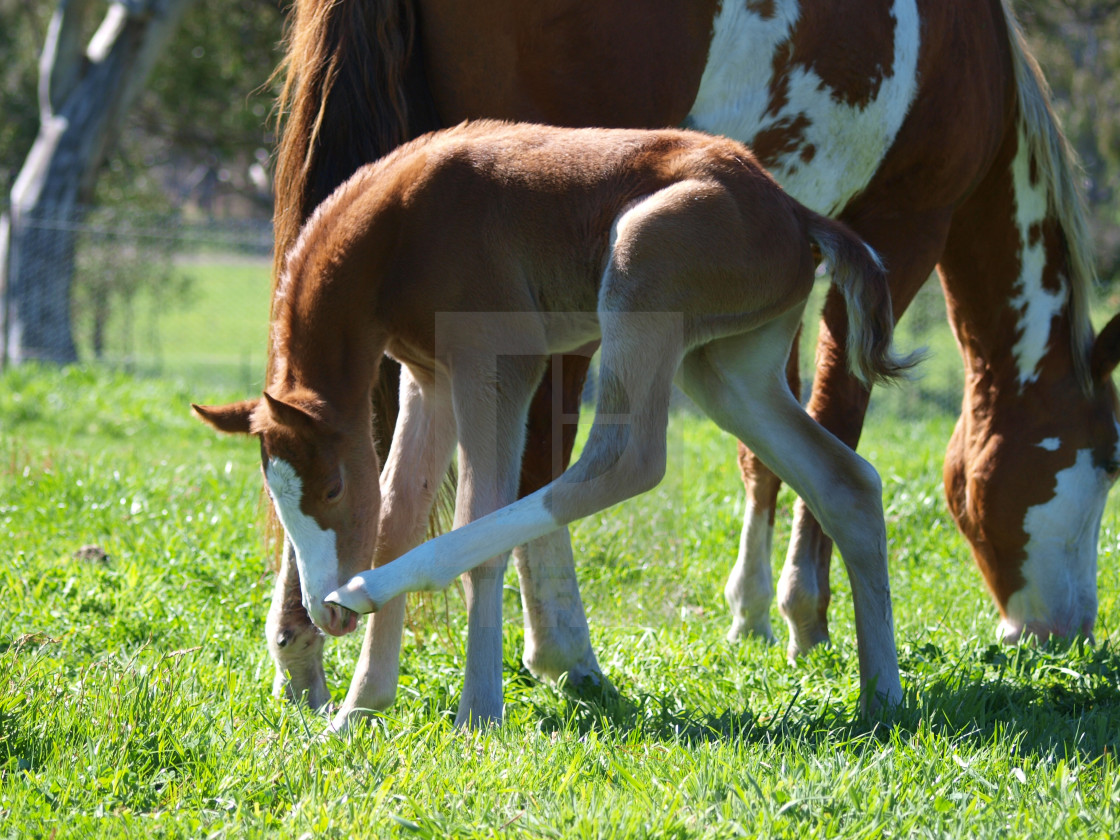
152	294
169	296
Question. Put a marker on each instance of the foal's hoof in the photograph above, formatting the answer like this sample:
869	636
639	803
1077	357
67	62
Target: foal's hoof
351	598
882	701
344	722
743	629
472	720
337	620
591	687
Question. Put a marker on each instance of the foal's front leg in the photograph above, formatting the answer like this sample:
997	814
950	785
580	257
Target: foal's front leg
418	459
490	408
294	641
624	456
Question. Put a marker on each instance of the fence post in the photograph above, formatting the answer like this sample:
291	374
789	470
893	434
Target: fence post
8	242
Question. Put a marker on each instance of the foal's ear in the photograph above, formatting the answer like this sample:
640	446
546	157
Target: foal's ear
1106	350
289	414
235	418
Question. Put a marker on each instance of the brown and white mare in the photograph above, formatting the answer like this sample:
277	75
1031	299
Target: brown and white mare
473	254
923	125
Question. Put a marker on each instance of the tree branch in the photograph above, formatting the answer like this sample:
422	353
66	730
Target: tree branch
63	60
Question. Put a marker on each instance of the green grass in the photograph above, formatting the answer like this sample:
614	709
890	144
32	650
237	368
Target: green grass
134	693
222	334
216	334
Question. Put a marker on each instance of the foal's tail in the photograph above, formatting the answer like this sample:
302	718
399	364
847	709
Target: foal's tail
859	274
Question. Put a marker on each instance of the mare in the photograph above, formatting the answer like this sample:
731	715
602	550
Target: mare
471	256
923	124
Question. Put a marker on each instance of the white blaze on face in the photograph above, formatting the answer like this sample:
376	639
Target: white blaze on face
1036	305
849	141
316	554
1059	595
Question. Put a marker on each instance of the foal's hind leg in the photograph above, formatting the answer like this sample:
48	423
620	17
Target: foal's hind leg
750	586
737	381
910	246
418	459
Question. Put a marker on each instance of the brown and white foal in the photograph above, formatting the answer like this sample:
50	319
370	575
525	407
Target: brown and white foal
470	255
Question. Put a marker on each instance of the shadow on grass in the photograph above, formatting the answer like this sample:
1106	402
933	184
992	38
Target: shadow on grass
627	713
1050	700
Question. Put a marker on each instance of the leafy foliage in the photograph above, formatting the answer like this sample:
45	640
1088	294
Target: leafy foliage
202	128
203	117
22	26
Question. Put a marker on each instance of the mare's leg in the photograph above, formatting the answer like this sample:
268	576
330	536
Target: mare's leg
738	382
910	247
419	456
490	414
750	586
294	641
557	641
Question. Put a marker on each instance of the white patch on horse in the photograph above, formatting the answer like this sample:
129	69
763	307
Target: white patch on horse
750	586
1037	306
316	553
1050	444
850	142
1060	570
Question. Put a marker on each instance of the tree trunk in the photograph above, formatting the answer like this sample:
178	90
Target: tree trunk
84	93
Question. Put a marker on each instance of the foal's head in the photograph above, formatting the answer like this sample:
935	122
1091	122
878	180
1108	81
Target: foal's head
322	476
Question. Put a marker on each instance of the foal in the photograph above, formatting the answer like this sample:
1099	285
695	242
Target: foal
470	255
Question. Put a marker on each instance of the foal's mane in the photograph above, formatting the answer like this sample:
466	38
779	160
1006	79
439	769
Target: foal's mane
1057	162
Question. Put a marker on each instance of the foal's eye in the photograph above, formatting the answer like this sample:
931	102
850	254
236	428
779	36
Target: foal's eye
334	491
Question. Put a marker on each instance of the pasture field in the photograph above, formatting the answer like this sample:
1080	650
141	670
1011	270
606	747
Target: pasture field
215	336
135	686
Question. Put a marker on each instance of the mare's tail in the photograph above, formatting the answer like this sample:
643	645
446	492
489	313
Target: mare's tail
858	273
353	91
